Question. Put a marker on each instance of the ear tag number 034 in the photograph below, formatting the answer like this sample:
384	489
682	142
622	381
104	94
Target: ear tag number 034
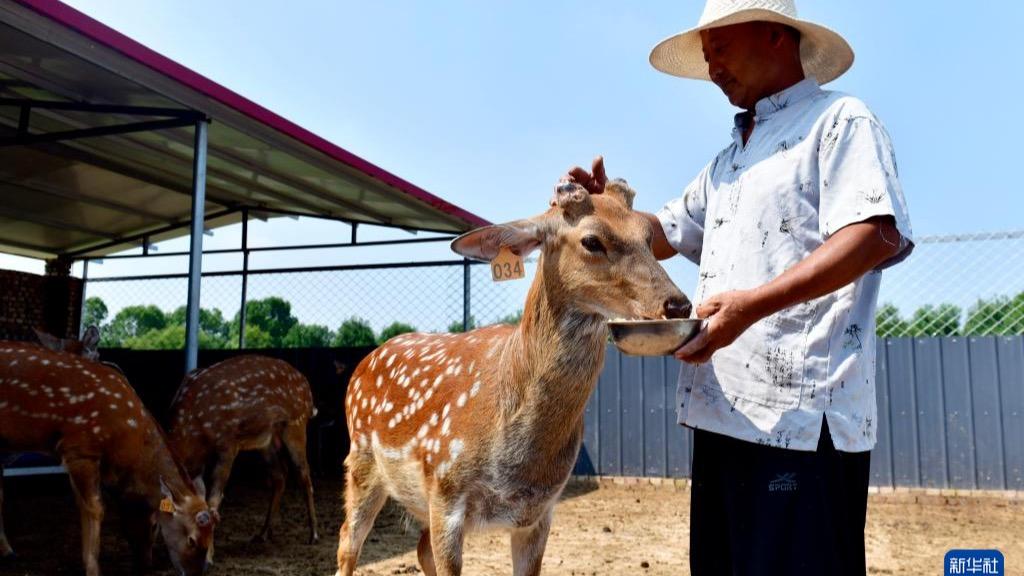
507	266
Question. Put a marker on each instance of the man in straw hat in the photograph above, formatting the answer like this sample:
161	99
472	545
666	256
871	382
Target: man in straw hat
791	224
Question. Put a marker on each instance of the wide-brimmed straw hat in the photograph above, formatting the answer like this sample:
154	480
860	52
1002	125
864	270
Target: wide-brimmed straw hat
824	53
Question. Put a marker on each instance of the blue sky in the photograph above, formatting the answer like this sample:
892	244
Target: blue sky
487	103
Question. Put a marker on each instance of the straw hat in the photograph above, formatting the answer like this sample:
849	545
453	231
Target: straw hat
824	53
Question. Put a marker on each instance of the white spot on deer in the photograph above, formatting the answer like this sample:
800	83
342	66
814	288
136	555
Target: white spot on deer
446	426
419	403
391	360
388	406
474	389
430	392
96	429
433	419
422	431
461	401
94	414
113	406
455	448
132	423
437	381
437	446
380	380
45	362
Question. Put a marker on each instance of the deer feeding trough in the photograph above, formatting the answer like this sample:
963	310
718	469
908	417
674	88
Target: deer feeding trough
652	337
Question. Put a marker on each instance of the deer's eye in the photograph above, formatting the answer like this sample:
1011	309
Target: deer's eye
593	244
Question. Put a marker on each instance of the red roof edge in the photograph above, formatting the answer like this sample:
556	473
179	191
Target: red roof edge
107	36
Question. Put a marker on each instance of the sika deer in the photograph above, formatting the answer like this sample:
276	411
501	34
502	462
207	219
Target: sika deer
482	428
245	403
88	415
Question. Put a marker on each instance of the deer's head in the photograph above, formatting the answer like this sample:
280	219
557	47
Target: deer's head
596	253
187	527
86	347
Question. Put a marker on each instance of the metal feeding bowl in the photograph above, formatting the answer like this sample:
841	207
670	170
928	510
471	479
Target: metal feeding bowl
653	337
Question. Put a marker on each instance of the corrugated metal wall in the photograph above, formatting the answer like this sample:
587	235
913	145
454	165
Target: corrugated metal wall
951	415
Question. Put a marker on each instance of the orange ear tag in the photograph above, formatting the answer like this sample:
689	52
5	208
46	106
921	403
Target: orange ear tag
507	266
167	506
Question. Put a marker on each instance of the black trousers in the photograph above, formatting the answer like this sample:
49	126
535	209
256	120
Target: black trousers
759	510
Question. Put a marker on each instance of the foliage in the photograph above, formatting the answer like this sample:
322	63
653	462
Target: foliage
94	311
172	338
941	320
307	336
458	327
394	329
513	318
132	322
355	332
272	315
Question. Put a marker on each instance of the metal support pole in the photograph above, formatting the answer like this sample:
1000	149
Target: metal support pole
81	314
195	258
465	294
355	225
245	277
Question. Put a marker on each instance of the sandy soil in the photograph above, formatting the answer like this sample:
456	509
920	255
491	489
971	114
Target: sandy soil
608	530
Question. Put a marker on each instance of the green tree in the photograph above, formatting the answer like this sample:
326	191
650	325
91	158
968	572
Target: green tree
172	338
355	332
941	320
210	321
132	322
996	316
94	312
513	318
255	337
307	336
458	327
394	329
272	315
888	322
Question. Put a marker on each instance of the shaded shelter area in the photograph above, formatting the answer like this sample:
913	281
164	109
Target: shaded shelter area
107	146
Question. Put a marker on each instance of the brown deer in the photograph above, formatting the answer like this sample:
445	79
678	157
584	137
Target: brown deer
481	429
88	415
245	403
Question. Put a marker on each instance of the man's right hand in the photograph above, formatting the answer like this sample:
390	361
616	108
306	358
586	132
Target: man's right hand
593	181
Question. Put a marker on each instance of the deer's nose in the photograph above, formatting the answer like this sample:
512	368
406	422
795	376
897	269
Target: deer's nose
676	307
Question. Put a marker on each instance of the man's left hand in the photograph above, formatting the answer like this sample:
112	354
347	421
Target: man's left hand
727	316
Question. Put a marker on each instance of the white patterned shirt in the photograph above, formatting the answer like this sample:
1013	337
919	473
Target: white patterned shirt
815	162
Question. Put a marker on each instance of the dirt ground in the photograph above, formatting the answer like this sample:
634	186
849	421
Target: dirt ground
607	530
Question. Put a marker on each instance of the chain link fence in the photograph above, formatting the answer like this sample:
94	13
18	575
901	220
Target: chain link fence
956	285
342	306
967	285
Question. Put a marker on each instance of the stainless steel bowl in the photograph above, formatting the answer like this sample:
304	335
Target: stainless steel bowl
652	337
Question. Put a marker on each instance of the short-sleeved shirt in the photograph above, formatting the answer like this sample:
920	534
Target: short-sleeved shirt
815	162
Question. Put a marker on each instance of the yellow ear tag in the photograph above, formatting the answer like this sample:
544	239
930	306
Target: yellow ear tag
167	506
507	266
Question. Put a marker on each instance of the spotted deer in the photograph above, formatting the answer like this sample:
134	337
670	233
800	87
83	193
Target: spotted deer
482	429
88	415
245	403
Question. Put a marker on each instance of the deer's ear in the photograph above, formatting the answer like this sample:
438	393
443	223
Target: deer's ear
48	340
200	486
91	338
621	190
521	236
168	495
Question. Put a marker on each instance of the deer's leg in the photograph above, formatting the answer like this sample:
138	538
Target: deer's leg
425	554
85	480
528	546
447	531
219	477
277	482
5	546
219	481
364	497
295	443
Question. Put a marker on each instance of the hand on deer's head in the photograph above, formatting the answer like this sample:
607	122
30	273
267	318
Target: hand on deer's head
596	253
187	528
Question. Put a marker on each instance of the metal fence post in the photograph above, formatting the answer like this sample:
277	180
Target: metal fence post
465	294
195	257
245	277
81	307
